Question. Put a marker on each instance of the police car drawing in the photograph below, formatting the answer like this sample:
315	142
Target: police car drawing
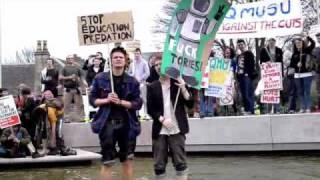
192	24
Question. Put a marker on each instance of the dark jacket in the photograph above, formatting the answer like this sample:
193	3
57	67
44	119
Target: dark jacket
101	87
91	74
265	57
316	54
22	134
153	75
305	57
155	107
249	64
53	82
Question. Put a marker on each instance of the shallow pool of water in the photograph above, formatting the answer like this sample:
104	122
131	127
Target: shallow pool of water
201	168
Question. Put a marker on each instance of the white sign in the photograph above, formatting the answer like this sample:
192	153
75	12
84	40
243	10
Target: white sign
8	112
268	18
270	97
271	75
227	98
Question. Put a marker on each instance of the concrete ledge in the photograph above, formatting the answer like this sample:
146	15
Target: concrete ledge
81	156
239	133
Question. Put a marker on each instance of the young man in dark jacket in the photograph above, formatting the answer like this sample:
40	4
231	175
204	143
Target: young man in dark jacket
246	74
169	126
116	120
93	70
50	78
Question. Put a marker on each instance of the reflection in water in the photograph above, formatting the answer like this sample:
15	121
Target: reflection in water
201	168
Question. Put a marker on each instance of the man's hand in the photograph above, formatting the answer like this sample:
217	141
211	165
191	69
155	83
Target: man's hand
16	140
73	77
11	137
114	98
167	123
299	64
181	83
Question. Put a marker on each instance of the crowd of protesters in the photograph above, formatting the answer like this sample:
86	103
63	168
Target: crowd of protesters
300	67
39	133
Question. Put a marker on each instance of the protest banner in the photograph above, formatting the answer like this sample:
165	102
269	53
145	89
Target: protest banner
8	112
270	97
267	18
190	38
271	74
219	76
105	28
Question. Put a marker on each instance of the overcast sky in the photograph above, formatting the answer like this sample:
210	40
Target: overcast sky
24	22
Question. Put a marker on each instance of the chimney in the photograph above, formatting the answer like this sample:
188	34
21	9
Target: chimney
44	48
39	46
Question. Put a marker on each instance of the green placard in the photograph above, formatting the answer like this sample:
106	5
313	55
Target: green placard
194	24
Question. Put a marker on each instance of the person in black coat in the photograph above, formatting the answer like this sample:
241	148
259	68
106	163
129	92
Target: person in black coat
169	126
271	53
302	62
153	72
93	70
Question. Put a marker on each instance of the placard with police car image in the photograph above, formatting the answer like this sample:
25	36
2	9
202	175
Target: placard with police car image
190	38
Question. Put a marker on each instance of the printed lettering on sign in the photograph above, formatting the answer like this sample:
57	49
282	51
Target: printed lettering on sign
270	97
8	112
271	74
262	19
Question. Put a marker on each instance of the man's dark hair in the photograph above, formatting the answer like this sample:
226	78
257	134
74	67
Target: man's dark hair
118	49
2	91
51	59
241	41
138	50
25	91
272	39
318	34
99	53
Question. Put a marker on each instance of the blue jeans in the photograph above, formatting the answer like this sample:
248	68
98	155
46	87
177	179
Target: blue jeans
247	93
292	92
206	105
304	91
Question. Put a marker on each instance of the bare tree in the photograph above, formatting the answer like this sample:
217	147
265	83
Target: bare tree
25	56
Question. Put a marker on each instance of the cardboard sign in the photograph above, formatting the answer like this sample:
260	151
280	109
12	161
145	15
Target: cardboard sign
8	112
266	18
190	37
227	98
271	74
105	28
270	97
219	76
